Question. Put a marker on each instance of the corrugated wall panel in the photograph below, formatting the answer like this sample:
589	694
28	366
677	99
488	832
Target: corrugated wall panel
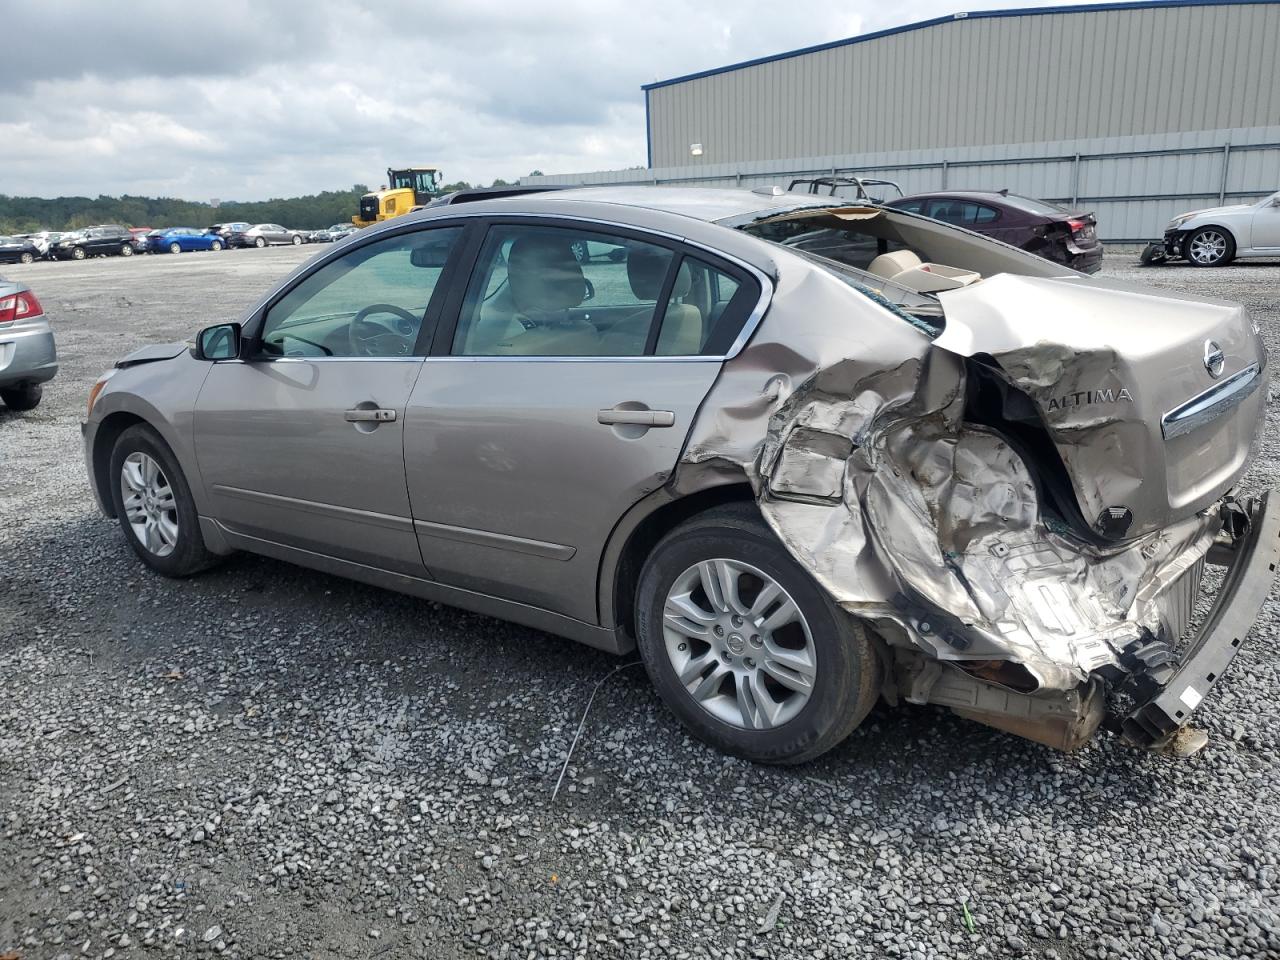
991	80
1174	172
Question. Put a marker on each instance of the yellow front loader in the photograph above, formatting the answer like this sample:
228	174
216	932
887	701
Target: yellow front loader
405	189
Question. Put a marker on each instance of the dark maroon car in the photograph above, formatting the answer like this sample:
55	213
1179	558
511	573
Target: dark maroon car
1053	232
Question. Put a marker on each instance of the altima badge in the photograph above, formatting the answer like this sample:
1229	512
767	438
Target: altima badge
1214	358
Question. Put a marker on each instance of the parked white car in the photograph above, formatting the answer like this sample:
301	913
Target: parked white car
1215	237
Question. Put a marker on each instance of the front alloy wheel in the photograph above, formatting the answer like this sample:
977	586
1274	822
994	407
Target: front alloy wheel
154	505
149	504
1209	247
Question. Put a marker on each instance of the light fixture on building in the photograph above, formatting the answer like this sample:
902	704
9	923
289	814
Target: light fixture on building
695	149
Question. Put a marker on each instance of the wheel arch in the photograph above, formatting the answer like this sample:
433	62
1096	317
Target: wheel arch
635	536
104	441
1188	233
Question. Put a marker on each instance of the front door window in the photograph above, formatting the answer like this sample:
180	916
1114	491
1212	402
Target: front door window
370	303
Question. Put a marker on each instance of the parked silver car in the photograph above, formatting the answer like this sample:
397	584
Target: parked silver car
1215	237
28	356
926	467
271	234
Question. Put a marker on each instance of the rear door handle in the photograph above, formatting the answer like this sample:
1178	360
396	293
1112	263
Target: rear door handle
640	418
369	416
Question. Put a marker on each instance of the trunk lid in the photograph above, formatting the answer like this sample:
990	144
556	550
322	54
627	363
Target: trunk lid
1121	377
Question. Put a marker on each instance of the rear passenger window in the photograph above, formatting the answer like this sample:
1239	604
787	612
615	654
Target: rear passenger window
561	292
701	297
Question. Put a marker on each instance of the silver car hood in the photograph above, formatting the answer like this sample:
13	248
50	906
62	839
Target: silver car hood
1232	208
153	352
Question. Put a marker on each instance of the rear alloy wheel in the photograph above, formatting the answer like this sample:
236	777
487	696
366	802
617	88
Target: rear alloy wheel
77	253
175	247
296	240
126	250
744	647
259	243
154	505
215	246
1209	247
27	258
25	397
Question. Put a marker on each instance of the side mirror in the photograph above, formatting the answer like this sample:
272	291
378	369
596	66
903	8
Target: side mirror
221	342
431	254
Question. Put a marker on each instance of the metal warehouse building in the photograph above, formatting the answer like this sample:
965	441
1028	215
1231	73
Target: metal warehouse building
1134	110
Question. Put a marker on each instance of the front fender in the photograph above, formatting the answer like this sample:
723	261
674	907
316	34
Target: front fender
161	394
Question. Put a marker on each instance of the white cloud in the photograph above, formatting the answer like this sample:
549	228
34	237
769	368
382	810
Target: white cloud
245	100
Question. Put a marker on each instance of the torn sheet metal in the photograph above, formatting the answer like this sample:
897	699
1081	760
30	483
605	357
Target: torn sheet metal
852	427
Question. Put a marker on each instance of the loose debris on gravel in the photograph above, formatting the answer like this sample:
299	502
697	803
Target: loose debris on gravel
270	762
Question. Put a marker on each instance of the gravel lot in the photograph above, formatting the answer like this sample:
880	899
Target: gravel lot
270	762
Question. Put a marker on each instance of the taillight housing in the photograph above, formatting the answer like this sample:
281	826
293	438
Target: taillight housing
20	306
1078	226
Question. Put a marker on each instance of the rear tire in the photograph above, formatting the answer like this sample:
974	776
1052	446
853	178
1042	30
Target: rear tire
1209	247
259	243
297	240
215	246
797	674
160	522
175	247
25	397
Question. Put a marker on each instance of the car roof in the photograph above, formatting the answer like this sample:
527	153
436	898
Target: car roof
989	195
711	204
701	215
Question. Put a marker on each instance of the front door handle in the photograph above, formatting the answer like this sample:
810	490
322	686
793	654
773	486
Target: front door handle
369	416
639	418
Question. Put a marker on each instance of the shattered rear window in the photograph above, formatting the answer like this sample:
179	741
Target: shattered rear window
921	310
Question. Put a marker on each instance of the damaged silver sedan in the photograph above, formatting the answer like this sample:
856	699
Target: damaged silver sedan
804	455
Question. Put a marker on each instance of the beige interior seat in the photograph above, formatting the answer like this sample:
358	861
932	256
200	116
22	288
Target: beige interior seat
889	265
682	325
545	282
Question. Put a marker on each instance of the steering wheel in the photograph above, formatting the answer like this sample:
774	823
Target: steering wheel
378	338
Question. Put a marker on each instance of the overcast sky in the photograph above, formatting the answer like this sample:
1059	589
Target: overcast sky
246	100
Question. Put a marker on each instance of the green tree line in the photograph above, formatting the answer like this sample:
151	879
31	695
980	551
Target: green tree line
30	214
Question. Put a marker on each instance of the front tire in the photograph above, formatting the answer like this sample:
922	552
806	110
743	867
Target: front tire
78	253
154	506
1209	247
126	250
744	647
19	399
26	258
215	246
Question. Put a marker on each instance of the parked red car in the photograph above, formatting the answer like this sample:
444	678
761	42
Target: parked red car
1056	233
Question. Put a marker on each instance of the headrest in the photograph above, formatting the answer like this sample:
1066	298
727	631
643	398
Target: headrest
889	265
647	268
544	274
